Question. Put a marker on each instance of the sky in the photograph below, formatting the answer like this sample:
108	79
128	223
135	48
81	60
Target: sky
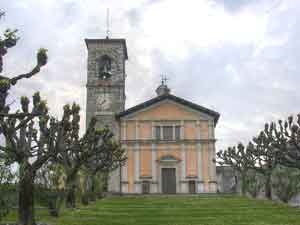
237	57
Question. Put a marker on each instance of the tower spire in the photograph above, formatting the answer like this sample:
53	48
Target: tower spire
164	80
107	24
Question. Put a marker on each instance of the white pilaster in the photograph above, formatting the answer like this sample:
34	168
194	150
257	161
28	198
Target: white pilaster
124	181
173	132
137	168
198	128
199	154
153	130
211	134
212	156
200	187
182	129
125	168
183	169
137	126
154	174
212	168
183	158
124	128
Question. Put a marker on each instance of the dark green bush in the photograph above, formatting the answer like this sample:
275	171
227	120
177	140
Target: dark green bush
286	182
8	198
51	199
84	199
3	206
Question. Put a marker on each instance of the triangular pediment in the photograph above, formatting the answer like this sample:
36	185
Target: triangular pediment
169	107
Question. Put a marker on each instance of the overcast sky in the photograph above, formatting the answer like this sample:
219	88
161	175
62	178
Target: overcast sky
237	57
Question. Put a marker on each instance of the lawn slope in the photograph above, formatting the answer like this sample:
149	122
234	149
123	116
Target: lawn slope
176	210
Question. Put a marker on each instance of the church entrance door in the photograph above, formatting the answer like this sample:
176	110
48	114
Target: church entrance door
168	180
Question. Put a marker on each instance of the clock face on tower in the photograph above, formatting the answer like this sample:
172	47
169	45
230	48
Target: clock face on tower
103	102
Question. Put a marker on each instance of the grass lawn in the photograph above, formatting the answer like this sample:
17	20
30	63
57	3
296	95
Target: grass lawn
176	210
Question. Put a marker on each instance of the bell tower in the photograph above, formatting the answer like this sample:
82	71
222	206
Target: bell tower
105	80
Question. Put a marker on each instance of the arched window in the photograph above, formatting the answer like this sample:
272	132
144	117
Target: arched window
104	67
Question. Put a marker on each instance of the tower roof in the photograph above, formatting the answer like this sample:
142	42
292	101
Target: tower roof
107	41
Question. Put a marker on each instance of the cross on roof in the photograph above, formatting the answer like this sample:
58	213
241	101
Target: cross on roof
164	80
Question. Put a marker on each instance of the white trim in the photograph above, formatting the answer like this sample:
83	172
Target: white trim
201	114
211	129
124	130
153	130
182	129
213	167
183	161
137	126
125	167
136	168
154	175
124	172
198	128
199	153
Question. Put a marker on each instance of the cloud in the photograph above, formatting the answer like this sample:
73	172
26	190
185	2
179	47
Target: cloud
237	57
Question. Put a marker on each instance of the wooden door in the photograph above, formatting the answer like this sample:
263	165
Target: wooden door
145	187
192	187
168	180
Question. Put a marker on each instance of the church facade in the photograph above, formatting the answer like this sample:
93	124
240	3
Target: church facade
169	141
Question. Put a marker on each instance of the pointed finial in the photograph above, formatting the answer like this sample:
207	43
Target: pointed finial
164	80
107	24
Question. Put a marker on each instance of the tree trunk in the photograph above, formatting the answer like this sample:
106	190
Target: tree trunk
71	190
243	183
268	187
26	196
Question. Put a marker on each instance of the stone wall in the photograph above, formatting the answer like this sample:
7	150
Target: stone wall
112	90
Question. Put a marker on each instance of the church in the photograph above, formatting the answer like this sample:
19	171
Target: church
169	141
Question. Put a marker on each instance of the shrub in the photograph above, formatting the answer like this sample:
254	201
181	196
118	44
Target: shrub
3	206
51	199
286	182
254	183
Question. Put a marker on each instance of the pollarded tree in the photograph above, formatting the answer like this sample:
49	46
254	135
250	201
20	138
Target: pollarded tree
286	182
286	138
27	143
240	159
6	177
108	157
32	144
96	149
21	120
6	174
267	158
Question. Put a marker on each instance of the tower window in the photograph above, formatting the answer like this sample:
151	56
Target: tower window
104	67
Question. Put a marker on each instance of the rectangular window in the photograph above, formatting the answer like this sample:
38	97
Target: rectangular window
157	133
168	133
177	133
